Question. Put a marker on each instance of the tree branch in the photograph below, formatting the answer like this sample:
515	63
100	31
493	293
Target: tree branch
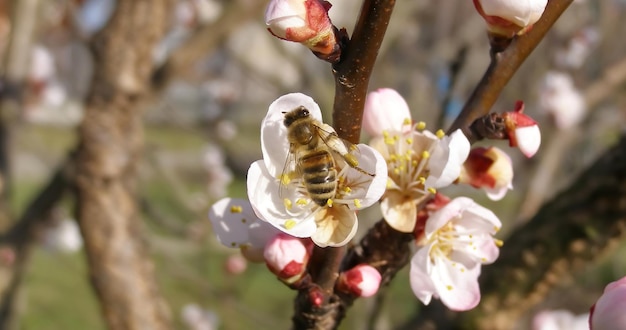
502	68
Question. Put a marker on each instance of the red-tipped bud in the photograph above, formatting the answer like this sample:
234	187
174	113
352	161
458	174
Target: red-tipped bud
490	169
523	131
361	281
506	18
303	21
287	257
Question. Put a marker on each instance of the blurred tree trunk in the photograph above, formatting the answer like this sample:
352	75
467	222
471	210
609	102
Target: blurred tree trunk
111	141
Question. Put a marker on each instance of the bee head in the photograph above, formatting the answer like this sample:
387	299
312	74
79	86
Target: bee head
295	114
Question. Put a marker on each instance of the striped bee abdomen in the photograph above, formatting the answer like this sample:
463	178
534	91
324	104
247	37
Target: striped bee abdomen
319	175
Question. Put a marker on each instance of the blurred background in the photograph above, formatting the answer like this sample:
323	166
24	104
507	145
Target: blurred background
218	70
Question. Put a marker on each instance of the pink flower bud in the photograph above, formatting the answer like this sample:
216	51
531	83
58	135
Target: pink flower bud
236	264
303	21
522	130
510	17
490	169
608	312
287	257
385	110
361	281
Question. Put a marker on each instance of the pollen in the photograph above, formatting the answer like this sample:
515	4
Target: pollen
421	125
285	179
421	179
290	224
329	203
347	190
432	190
449	287
287	203
236	209
409	141
302	201
498	242
357	203
407	121
440	133
425	154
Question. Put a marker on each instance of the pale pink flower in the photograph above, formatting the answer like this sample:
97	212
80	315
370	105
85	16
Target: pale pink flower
236	264
609	312
361	281
561	100
490	169
457	241
560	320
510	17
279	196
418	161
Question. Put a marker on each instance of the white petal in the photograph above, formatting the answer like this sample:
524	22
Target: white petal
336	226
274	144
230	219
447	213
278	9
447	160
528	139
456	285
522	13
263	192
385	109
421	282
399	212
369	189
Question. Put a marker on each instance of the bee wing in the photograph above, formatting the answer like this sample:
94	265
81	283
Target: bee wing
347	150
289	169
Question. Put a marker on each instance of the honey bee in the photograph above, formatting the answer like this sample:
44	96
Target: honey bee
313	146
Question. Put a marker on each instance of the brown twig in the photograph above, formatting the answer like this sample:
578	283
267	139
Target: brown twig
502	68
352	74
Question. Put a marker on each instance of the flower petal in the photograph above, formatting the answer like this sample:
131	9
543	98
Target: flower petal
447	160
230	219
274	143
367	189
399	211
263	192
457	286
385	110
421	283
336	226
528	139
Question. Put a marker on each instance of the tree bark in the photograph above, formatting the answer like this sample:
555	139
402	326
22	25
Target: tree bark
111	141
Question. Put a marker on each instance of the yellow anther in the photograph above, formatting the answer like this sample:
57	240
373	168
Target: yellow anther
351	160
420	125
496	228
287	203
393	157
290	224
421	179
236	209
329	203
440	133
389	183
396	171
347	190
285	179
414	162
498	242
302	201
425	154
385	134
357	203
449	287
409	141
407	121
432	190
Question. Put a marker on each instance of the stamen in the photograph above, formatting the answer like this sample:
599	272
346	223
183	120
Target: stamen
290	224
432	190
329	203
421	125
347	190
425	154
357	203
285	179
409	141
287	202
407	121
302	201
440	133
421	179
236	209
498	242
